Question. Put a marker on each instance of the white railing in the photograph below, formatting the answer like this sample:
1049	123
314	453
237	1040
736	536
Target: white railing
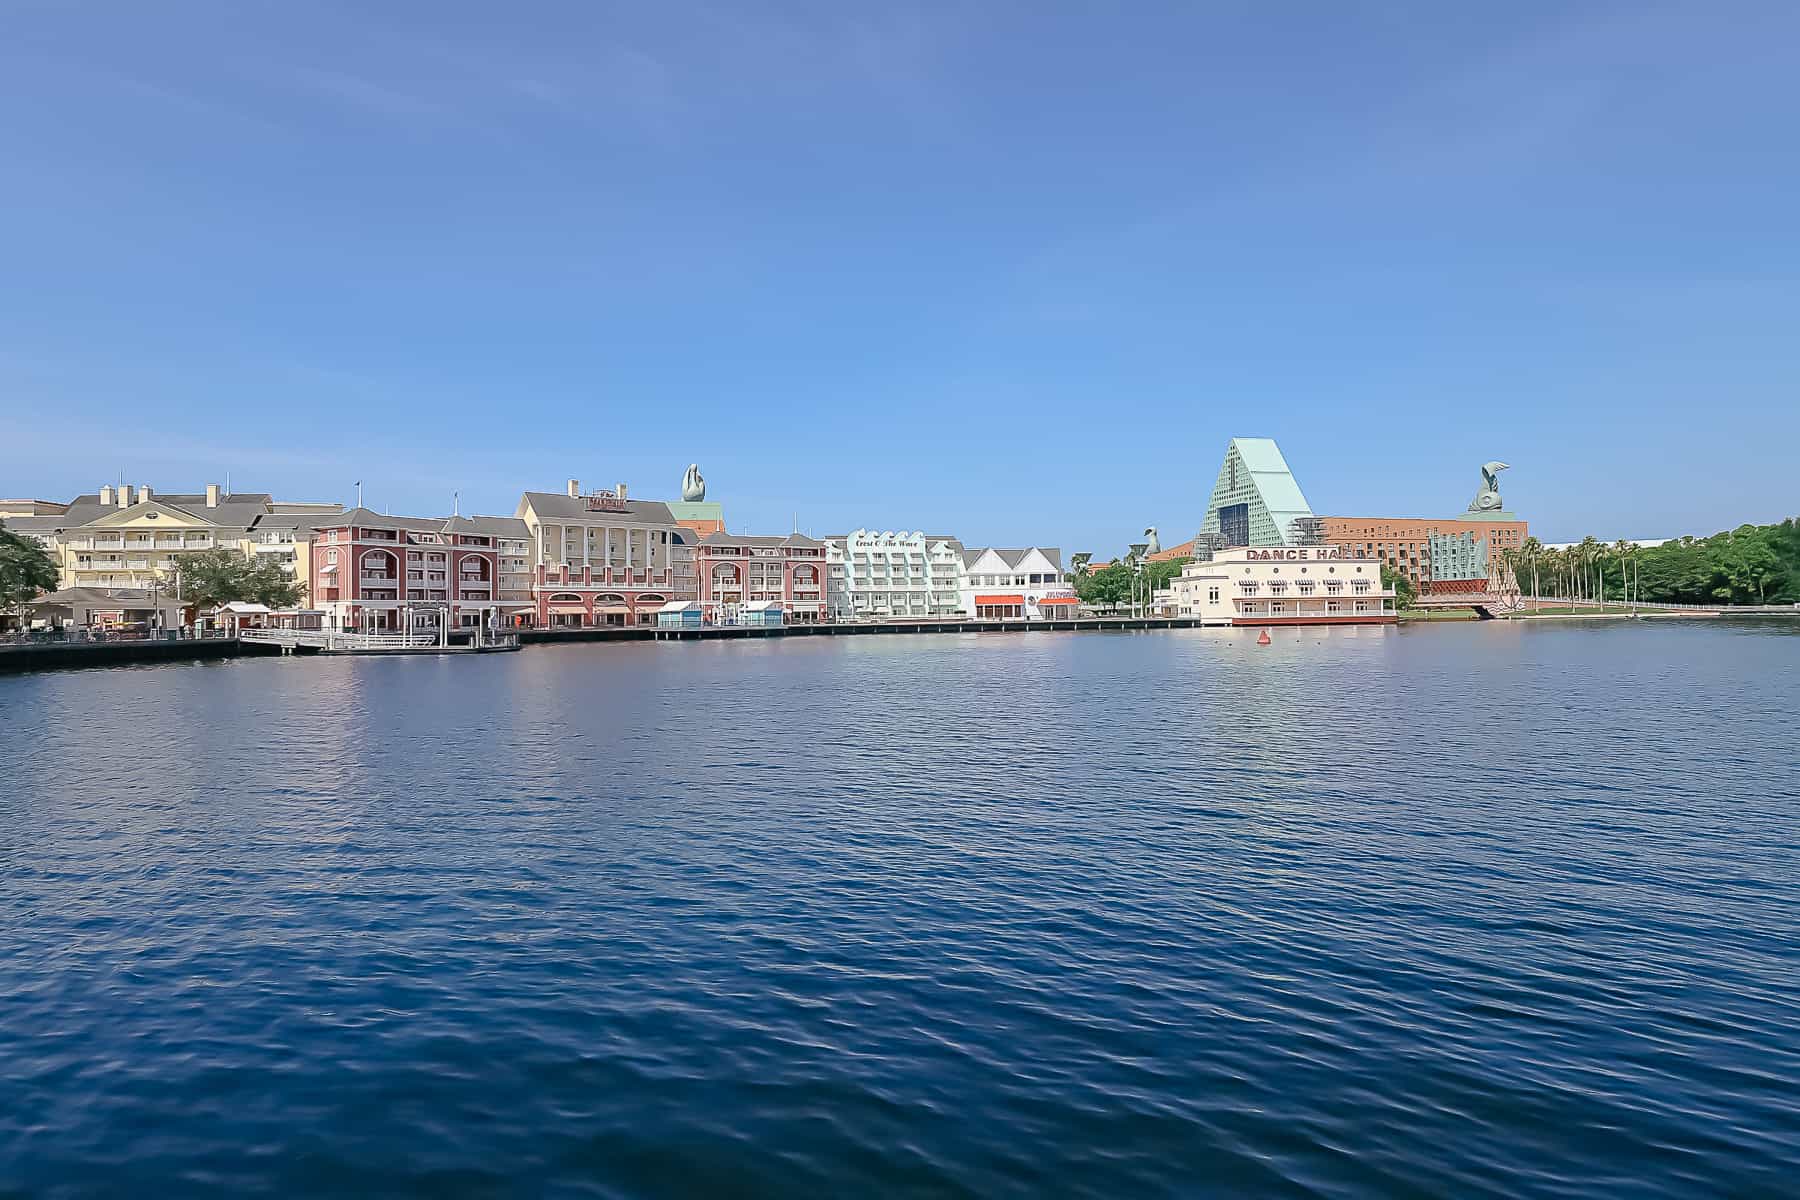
1526	601
325	639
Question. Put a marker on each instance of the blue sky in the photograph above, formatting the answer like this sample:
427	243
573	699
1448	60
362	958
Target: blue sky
1015	271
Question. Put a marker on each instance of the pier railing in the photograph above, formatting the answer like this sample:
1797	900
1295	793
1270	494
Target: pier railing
328	639
1527	602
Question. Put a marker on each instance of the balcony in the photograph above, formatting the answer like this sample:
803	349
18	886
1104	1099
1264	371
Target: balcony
380	581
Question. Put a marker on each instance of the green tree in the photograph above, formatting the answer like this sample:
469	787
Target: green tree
1158	574
1108	587
1752	564
1532	554
1405	594
214	577
26	570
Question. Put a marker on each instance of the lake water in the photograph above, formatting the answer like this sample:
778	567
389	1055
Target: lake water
1500	910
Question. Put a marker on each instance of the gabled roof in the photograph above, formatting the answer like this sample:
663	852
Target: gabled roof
557	506
1012	558
506	527
285	521
237	511
363	518
746	539
32	525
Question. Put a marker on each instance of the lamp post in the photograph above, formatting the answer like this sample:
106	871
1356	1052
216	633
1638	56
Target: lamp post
1134	561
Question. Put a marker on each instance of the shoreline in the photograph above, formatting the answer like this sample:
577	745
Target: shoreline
84	655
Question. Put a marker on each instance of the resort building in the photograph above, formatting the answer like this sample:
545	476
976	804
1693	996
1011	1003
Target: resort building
1447	555
740	574
1454	555
128	537
884	575
1027	584
1256	499
105	609
1303	585
602	558
512	566
379	574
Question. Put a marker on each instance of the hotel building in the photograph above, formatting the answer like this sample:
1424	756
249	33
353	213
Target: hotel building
1453	555
379	574
603	558
126	537
736	571
1256	500
1303	585
1027	584
874	575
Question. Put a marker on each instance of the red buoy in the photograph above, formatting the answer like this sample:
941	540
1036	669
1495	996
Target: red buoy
1262	639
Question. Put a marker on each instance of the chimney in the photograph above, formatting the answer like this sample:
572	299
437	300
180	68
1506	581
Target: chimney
574	487
621	491
212	495
106	494
144	492
124	495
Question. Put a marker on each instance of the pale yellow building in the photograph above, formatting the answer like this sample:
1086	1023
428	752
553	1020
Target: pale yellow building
132	537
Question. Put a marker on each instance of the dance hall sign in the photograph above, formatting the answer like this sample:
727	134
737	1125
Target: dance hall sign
1301	554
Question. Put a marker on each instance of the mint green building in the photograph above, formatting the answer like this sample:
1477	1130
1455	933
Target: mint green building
1256	500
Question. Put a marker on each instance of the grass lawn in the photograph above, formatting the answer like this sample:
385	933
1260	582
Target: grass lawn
1566	610
1437	614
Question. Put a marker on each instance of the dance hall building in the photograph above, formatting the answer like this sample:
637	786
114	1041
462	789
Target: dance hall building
1291	585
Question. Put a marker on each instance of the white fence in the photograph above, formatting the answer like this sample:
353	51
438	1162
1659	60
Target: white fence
1721	607
330	640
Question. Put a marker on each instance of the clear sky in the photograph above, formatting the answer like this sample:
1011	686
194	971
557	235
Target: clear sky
1013	271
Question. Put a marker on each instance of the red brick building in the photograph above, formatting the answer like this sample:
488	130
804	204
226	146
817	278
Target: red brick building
1406	543
378	574
734	570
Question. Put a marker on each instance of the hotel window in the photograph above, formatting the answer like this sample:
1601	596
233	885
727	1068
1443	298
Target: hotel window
1360	587
1306	587
1212	595
1332	606
1275	607
1334	586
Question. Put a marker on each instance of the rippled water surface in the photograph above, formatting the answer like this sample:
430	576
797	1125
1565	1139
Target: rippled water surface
1464	911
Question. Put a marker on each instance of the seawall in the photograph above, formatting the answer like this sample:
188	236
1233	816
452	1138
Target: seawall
538	637
58	655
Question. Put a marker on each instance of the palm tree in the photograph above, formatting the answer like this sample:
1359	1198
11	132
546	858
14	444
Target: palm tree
1622	550
1533	551
1590	552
